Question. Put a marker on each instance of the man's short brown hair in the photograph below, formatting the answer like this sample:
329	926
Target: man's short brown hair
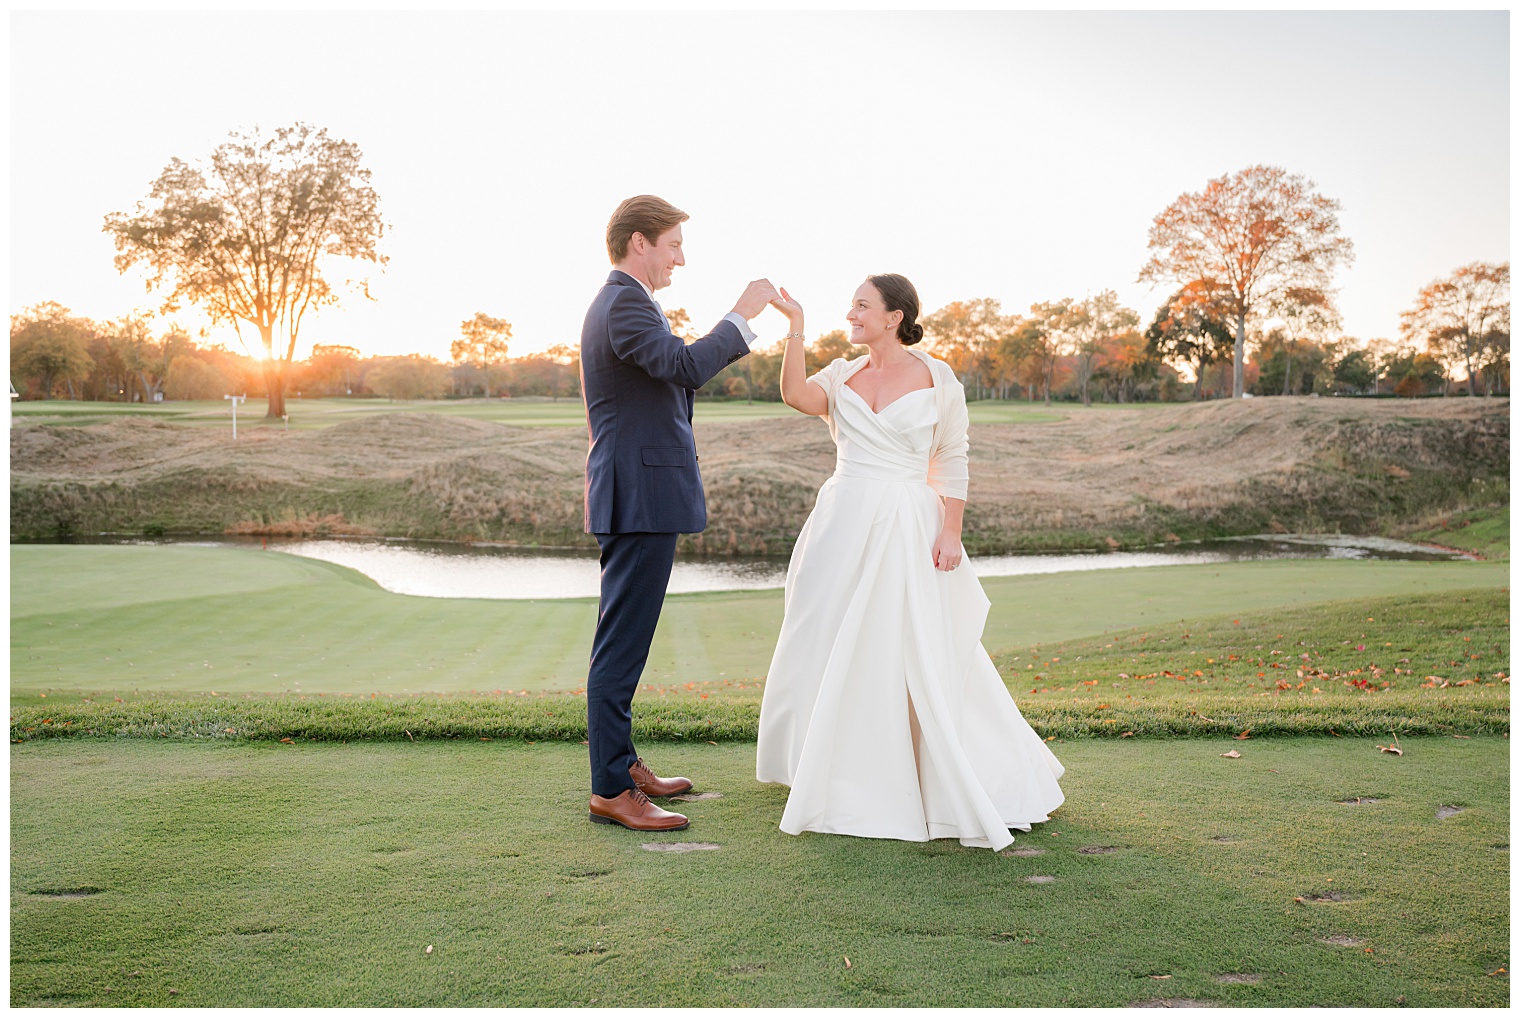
644	214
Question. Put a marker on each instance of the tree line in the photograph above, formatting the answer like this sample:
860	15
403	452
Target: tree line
249	235
57	354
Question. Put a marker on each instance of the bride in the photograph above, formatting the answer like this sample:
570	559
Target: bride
881	710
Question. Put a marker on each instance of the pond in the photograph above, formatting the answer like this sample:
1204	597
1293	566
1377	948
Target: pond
441	569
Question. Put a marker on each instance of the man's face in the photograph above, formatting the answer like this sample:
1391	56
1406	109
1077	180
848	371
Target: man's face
660	258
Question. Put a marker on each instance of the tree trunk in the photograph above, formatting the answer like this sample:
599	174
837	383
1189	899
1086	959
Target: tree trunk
1287	373
1240	355
274	383
1198	381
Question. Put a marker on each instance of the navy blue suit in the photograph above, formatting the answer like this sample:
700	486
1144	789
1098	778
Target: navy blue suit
643	490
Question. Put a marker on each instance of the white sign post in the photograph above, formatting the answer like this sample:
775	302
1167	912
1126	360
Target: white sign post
235	401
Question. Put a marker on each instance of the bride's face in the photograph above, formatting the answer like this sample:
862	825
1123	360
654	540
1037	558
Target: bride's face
869	319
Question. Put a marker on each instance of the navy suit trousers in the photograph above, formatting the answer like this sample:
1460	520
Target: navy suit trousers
635	572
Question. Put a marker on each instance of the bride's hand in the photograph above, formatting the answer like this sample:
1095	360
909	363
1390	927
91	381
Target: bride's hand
787	305
947	551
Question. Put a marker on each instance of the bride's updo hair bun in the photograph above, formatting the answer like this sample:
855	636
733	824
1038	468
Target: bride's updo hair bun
899	295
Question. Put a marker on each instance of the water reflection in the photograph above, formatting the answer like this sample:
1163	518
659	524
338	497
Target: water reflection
428	569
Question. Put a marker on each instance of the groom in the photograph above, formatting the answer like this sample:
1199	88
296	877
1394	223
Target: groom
643	489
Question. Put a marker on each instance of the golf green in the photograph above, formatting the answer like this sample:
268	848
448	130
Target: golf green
93	620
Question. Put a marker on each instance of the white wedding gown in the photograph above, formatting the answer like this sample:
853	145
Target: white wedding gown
882	710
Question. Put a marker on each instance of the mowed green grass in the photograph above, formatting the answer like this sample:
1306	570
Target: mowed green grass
152	874
127	620
527	412
1482	531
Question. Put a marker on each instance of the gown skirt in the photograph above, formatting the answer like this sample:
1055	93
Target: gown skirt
882	711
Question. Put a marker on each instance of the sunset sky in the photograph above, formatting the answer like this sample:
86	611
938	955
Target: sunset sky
1011	155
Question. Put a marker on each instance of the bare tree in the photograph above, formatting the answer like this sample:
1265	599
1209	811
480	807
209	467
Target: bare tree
247	236
1253	234
1462	315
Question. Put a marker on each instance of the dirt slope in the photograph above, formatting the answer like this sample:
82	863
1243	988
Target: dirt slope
1130	475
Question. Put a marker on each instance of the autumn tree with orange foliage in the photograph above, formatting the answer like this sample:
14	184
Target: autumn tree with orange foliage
482	342
1092	324
1462	315
965	334
1046	331
1252	234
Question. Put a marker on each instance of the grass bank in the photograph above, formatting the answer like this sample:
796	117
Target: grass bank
441	874
1080	477
1483	532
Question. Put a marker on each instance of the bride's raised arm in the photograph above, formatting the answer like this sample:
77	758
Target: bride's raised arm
795	390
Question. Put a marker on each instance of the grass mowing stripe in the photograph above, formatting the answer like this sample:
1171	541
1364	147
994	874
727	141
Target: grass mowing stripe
331	630
1342	690
730	719
268	875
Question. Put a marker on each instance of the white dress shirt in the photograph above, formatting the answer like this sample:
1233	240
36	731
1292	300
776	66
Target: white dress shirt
732	316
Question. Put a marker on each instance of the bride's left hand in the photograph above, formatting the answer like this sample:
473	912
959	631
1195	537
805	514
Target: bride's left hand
947	551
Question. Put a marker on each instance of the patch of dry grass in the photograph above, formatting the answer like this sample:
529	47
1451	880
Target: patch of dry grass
1125	475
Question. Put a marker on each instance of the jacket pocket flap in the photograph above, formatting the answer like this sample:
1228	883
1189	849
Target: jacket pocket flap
666	456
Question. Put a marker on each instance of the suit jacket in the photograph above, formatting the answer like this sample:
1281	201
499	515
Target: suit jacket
638	381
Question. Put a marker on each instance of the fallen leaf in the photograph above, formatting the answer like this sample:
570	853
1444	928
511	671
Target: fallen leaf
1497	971
847	962
429	949
1396	751
1244	735
1123	734
1168	976
711	743
290	742
1232	754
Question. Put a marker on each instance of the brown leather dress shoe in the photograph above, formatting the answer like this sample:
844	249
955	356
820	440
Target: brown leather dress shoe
633	810
652	785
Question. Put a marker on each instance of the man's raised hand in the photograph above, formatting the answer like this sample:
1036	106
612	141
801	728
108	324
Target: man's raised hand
755	297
